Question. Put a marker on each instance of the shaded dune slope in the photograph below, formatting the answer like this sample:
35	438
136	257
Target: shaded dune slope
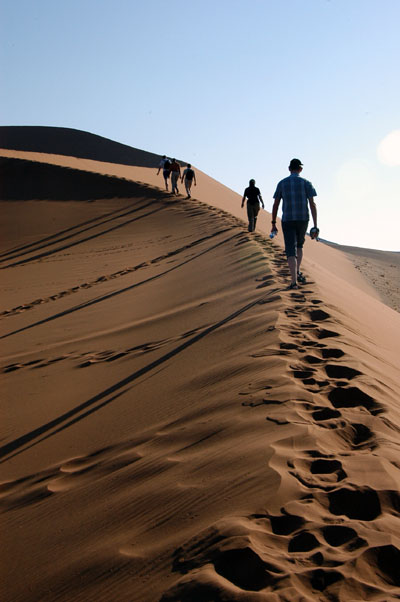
179	426
74	143
28	180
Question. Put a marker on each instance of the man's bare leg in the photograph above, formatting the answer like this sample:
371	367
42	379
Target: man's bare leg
292	261
299	258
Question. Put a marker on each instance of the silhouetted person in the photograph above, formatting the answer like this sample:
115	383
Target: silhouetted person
253	195
175	173
297	194
189	176
165	165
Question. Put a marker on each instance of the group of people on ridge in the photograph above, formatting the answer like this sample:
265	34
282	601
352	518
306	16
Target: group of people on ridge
172	168
297	195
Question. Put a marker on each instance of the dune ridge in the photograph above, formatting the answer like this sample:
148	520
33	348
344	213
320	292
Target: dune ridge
73	143
181	427
212	193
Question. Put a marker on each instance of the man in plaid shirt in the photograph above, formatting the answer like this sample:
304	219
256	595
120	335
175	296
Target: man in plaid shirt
297	194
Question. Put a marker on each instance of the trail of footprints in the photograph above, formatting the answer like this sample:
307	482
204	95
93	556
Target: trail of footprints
77	472
74	289
91	358
318	545
185	207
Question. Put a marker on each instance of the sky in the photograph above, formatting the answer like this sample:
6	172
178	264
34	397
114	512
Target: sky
235	87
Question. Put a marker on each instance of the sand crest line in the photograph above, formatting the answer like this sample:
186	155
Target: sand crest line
300	533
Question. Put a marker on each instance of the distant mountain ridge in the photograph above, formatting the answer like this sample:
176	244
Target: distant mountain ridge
74	143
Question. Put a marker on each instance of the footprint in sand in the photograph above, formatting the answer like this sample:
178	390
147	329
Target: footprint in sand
340	371
288	346
386	563
323	333
351	397
318	315
308	343
302	374
312	359
12	367
358	436
286	523
332	353
362	503
303	542
323	414
322	474
337	536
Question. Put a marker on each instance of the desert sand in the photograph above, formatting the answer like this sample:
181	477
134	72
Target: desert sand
177	426
380	268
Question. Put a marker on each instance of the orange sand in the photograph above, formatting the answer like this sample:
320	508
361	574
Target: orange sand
176	425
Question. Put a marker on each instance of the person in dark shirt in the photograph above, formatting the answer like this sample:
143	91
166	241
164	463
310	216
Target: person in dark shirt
253	196
189	176
165	165
175	169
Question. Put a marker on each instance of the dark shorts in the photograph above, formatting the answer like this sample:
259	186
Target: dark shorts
294	233
166	173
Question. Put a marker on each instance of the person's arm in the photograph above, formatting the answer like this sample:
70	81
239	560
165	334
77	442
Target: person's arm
184	173
243	199
313	208
261	201
194	179
275	208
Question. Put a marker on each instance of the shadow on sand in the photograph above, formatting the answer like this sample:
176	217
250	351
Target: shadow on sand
22	180
74	143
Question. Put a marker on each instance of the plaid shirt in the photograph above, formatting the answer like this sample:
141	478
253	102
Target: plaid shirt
295	191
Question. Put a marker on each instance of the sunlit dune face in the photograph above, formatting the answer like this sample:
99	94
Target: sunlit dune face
389	149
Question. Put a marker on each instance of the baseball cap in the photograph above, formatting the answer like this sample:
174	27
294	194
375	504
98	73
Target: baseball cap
295	164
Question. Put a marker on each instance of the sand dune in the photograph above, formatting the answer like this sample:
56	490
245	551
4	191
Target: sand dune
380	268
73	143
178	426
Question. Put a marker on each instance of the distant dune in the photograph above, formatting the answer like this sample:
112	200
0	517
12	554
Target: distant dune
177	425
74	143
380	268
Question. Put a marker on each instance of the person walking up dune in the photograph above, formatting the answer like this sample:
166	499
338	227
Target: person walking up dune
253	195
165	165
297	194
189	176
175	174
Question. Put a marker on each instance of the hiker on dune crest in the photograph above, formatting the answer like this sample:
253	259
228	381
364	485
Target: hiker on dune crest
297	194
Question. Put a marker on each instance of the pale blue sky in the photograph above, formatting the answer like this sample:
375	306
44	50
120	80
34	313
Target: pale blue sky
237	88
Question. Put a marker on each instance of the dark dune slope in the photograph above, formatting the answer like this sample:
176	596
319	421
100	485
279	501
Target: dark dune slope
74	143
22	180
